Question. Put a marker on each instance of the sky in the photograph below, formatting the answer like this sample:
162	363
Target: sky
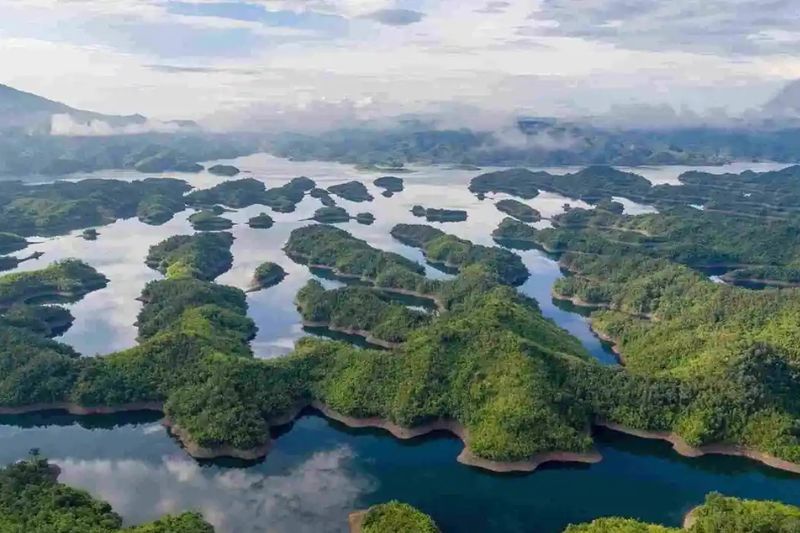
233	61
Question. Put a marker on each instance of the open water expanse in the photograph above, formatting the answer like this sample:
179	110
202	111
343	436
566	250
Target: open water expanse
318	470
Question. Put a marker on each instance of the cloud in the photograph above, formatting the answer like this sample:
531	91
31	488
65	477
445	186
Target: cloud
496	6
396	17
314	496
710	26
65	125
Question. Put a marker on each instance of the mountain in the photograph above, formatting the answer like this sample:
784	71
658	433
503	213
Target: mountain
786	103
19	109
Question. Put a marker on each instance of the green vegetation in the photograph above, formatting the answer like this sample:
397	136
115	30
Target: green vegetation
453	252
358	309
207	220
390	184
157	209
47	320
515	234
365	218
267	275
331	215
773	194
261	221
235	193
166	161
32	500
396	517
62	206
10	243
69	280
355	191
249	191
330	247
90	234
323	196
439	215
202	255
223	170
518	210
719	514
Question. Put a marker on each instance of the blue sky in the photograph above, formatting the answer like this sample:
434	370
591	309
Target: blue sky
369	58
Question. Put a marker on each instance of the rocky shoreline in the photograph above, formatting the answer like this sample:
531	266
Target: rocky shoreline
366	335
683	448
466	457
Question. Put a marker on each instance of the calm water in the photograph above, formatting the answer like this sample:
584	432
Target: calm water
319	471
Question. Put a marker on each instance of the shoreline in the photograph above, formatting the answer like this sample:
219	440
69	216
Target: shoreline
355	521
466	457
680	446
364	334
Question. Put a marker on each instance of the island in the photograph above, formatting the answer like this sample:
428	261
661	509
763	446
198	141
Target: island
355	191
249	191
208	220
10	243
390	185
323	196
90	234
267	275
439	215
63	206
358	311
202	255
452	252
261	221
224	170
518	210
67	280
331	215
167	161
365	218
718	514
392	517
32	499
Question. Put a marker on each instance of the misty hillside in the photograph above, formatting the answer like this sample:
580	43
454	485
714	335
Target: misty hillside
19	109
787	102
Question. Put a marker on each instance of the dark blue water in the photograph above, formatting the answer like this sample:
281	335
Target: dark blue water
319	471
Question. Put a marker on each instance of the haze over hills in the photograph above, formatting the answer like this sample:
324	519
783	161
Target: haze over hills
39	115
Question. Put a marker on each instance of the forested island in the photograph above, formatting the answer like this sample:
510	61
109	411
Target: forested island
267	275
209	220
518	210
439	215
202	255
261	221
390	185
355	191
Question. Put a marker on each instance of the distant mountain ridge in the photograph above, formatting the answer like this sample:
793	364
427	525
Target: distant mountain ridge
20	109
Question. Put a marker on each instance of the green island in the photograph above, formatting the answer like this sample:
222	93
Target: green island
355	191
32	499
392	517
267	275
323	196
456	253
718	514
358	311
90	234
47	320
518	210
202	255
331	215
67	280
223	170
439	215
261	221
249	191
365	218
770	195
517	389
10	243
766	252
390	185
208	220
60	207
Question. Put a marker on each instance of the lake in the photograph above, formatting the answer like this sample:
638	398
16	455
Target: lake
319	470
